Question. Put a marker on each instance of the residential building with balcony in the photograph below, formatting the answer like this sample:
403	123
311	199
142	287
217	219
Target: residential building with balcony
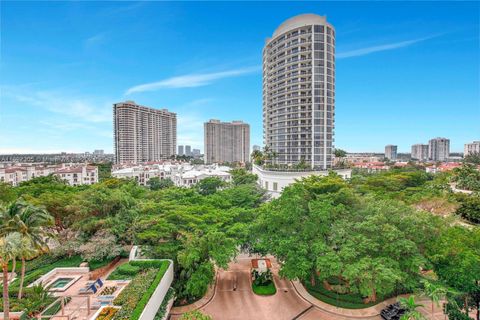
299	92
391	152
419	152
143	134
74	174
226	142
471	148
438	149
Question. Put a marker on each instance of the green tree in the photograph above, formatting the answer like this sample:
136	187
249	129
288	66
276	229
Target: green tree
31	223
469	208
456	260
435	292
242	176
7	193
473	158
195	315
8	250
258	157
339	153
209	185
467	177
156	183
411	307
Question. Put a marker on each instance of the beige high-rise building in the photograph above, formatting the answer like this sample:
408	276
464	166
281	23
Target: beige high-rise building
299	91
391	152
143	134
439	149
226	141
471	148
420	152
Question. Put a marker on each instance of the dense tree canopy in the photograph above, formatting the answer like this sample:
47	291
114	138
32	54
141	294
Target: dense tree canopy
375	235
319	228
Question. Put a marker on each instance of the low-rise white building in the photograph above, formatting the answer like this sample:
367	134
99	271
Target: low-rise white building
275	181
74	174
182	174
78	175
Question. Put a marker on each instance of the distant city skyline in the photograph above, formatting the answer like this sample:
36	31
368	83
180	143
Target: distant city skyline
58	84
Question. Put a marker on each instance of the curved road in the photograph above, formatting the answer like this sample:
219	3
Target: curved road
235	300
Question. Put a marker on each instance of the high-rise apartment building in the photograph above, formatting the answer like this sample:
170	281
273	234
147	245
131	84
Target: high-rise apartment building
391	152
226	141
188	151
438	149
299	91
180	151
143	134
471	148
420	152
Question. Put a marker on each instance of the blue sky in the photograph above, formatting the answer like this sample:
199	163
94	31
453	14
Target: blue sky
406	72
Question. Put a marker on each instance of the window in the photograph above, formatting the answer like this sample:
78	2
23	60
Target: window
266	185
275	186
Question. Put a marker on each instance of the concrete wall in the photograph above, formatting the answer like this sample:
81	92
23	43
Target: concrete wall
158	295
267	179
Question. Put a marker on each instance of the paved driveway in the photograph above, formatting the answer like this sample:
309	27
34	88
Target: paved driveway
235	300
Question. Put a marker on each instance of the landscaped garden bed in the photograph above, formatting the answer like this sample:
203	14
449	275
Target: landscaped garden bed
262	283
136	295
107	313
265	290
108	291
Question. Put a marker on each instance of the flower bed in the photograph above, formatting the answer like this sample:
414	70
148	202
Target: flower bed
107	313
108	291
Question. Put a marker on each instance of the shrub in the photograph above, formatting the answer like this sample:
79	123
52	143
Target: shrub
128	269
145	264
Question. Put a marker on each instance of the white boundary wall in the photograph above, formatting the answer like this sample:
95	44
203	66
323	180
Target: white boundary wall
280	179
158	295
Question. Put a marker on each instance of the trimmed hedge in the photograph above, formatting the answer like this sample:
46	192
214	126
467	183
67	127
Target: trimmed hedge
348	301
33	275
53	310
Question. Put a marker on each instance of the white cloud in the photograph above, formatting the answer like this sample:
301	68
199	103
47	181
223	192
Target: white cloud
383	47
79	108
191	80
95	40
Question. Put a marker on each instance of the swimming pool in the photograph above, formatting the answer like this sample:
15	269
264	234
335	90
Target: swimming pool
60	283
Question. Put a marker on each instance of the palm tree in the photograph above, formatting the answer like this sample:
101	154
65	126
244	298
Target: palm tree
8	250
30	222
411	306
26	251
435	292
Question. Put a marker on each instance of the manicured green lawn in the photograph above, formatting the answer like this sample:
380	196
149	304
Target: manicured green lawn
267	290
